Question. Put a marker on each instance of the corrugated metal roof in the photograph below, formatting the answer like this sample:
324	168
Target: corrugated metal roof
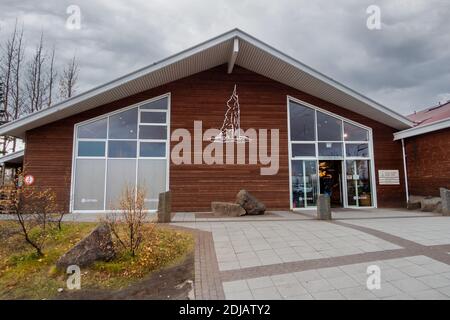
431	114
423	129
253	55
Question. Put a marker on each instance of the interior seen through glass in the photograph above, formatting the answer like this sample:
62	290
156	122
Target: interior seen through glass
331	156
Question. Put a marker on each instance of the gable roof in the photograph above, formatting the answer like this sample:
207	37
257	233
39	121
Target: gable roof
233	47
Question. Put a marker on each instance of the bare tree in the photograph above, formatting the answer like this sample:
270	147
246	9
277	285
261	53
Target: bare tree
69	79
30	83
11	67
35	81
51	78
6	69
16	90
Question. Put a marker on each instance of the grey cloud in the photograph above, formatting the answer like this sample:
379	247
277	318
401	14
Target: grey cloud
405	65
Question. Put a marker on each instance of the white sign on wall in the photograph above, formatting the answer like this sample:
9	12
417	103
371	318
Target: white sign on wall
389	177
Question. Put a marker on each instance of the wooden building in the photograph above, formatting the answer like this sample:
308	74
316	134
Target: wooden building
327	138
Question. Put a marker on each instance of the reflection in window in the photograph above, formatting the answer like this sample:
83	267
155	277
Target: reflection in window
330	149
302	122
328	128
152	149
153	117
93	130
91	148
357	150
152	132
160	104
303	150
123	125
122	149
355	133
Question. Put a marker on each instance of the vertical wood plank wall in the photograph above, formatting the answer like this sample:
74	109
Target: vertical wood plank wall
48	154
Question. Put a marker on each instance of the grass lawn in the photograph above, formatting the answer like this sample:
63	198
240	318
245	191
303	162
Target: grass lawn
23	275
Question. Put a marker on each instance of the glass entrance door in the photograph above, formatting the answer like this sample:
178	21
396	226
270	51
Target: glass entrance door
359	193
329	154
304	183
330	181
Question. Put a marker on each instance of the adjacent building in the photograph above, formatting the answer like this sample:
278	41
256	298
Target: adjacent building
427	150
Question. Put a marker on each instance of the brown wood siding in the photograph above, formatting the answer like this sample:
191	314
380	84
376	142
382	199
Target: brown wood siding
428	162
202	97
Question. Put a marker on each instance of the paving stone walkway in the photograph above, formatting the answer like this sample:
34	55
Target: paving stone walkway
296	257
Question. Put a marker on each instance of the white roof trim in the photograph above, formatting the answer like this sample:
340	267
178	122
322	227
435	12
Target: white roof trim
426	128
205	56
12	156
233	55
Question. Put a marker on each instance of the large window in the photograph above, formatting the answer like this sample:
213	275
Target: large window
124	148
318	135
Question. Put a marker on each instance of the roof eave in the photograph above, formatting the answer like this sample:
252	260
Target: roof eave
12	156
422	129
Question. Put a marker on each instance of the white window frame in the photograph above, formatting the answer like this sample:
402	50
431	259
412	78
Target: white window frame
138	141
343	159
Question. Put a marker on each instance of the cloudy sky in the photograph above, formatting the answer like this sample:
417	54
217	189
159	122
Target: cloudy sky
405	65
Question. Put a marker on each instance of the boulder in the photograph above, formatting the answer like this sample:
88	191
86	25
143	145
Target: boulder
414	203
430	204
96	246
251	205
227	209
445	197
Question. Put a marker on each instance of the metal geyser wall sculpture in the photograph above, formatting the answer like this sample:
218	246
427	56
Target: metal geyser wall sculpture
231	127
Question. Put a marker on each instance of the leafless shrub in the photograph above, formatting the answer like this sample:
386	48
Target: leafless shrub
126	222
34	209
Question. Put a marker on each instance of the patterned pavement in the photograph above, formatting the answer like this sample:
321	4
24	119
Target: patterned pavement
292	256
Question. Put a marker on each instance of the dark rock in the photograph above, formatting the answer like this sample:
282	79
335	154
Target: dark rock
430	204
323	207
164	207
413	205
96	246
445	198
414	202
227	209
250	204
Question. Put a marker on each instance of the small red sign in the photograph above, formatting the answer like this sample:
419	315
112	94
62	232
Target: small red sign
28	179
